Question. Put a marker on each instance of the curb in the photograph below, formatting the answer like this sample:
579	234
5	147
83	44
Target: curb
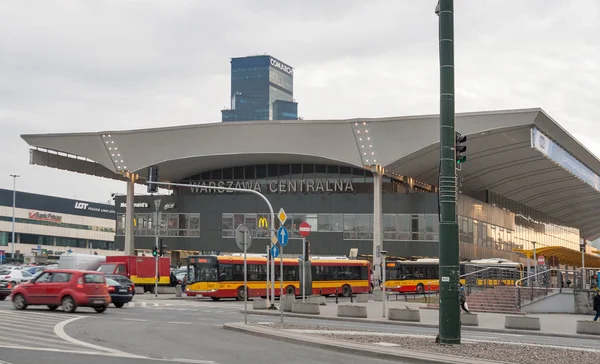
431	326
406	356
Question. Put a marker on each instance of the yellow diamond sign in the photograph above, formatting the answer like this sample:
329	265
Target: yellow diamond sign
274	239
282	216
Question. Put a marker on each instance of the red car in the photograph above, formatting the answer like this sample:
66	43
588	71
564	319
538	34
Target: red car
64	287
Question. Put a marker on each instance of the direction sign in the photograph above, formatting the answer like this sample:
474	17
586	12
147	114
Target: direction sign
274	251
304	229
282	216
239	236
541	260
283	236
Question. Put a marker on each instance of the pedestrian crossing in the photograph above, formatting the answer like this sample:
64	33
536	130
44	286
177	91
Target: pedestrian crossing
31	328
196	306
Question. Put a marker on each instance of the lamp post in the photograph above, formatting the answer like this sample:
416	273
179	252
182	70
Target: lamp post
449	321
12	249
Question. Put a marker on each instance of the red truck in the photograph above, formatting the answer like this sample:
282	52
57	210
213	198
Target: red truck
140	270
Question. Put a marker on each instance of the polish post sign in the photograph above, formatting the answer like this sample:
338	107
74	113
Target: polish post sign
304	229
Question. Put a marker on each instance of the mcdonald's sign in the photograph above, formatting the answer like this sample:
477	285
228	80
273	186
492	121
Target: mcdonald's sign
262	222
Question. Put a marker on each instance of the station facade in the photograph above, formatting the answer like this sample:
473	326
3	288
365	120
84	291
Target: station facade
526	183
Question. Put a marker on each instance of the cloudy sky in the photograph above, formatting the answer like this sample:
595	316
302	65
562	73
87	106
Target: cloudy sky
70	66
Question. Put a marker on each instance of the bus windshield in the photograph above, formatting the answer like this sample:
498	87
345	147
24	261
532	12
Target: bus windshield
202	269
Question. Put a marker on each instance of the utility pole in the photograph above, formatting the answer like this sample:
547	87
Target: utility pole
12	246
449	311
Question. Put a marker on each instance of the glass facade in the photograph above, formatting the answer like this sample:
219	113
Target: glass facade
175	225
20	220
49	240
534	226
262	88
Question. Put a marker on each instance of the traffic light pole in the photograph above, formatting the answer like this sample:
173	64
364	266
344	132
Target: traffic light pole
449	311
157	230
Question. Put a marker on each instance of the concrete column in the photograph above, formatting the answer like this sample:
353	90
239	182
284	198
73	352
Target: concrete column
129	247
377	238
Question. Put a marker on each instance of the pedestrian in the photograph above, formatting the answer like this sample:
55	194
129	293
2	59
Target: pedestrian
184	283
597	306
463	299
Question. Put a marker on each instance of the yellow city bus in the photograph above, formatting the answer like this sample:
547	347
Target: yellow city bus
223	276
423	274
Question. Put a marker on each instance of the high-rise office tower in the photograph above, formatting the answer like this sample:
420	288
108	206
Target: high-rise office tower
262	88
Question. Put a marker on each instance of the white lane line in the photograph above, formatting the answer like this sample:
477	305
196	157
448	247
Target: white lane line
4	362
130	319
41	341
59	330
179	323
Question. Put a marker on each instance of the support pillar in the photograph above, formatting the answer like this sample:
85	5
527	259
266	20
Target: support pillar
377	171
129	247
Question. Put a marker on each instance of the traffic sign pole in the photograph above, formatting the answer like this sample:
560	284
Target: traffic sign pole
245	279
281	283
304	269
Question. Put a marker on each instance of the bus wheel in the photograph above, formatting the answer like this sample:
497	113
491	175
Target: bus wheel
290	290
240	294
215	298
346	290
420	288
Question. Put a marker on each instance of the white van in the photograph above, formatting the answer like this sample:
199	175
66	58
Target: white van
80	261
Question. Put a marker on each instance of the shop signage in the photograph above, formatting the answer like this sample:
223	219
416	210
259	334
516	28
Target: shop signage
278	186
169	206
44	216
136	204
87	207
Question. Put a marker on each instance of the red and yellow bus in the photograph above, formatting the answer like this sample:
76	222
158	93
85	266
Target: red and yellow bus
423	275
223	276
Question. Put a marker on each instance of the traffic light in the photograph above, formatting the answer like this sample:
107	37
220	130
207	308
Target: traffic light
152	177
154	251
161	252
460	149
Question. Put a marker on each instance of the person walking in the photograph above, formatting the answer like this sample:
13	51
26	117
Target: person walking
184	282
597	305
463	299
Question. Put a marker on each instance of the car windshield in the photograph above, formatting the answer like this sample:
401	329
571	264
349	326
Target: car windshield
107	268
112	282
93	278
4	272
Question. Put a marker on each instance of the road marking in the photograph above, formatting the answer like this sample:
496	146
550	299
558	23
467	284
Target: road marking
130	319
59	330
4	362
179	323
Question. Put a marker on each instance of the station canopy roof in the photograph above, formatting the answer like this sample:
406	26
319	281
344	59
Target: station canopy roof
566	256
556	175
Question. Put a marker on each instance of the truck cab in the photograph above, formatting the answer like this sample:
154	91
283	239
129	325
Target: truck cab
119	268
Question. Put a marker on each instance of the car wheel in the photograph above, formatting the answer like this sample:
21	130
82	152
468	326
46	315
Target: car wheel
19	302
52	307
68	304
118	304
100	309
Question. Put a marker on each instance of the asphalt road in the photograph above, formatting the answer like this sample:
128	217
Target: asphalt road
163	332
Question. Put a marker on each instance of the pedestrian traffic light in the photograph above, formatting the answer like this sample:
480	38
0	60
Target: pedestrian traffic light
460	149
152	177
154	251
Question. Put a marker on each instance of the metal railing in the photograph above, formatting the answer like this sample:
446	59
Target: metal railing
540	285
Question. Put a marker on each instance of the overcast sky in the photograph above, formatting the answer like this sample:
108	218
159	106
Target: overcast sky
69	66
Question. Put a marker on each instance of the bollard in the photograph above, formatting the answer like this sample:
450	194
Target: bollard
336	296
351	297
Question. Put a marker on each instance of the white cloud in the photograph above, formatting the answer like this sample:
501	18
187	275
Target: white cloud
75	66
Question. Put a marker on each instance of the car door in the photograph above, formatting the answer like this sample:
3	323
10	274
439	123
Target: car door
57	284
36	292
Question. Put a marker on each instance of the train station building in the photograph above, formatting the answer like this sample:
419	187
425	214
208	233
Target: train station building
526	181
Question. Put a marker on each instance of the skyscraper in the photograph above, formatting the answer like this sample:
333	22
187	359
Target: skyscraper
262	88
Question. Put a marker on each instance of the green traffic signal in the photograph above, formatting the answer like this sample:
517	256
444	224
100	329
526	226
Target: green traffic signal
154	252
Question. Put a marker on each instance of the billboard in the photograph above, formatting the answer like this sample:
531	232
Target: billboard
557	154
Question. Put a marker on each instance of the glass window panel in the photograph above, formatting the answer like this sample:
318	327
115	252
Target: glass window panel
238	219
261	171
284	171
249	172
296	171
324	222
364	226
217	174
333	171
349	226
238	173
227	174
308	170
273	170
403	226
337	222
251	222
389	227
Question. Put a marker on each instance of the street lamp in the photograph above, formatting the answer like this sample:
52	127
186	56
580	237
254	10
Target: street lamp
12	249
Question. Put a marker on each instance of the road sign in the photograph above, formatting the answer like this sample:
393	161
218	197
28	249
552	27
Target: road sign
274	239
157	204
274	251
541	260
304	229
283	236
282	216
239	236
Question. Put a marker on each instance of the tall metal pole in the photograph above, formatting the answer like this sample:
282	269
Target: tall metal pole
281	281
304	270
534	263
268	269
12	247
245	280
383	297
449	311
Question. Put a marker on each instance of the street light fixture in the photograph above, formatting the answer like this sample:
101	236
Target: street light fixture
12	249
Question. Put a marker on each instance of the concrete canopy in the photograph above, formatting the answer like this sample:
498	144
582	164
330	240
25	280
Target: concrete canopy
500	156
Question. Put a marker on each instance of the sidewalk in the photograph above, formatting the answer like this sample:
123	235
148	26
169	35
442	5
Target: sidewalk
558	325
